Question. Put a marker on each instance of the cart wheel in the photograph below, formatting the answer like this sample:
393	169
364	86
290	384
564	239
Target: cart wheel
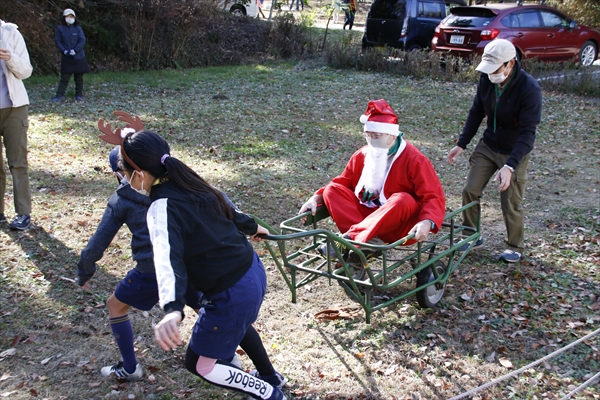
431	295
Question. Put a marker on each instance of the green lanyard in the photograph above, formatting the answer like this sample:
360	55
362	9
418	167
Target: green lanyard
498	95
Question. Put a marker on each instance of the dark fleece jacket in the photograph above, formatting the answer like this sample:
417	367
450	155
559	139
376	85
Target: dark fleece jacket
194	242
128	207
517	115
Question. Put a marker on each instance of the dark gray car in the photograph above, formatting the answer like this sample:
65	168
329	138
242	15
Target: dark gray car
405	24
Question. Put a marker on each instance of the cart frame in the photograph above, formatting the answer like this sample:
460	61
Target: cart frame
431	262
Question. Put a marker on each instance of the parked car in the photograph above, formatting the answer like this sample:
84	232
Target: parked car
405	24
241	8
536	30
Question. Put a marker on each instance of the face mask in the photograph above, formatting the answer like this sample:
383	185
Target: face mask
141	191
379	143
500	77
70	21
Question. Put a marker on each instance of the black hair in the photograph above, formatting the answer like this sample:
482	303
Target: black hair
146	149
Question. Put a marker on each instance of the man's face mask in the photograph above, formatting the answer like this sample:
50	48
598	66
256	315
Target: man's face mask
379	140
70	20
499	77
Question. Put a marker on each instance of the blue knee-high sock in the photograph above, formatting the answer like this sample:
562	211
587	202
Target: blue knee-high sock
123	333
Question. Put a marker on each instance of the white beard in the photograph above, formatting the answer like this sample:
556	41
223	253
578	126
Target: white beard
375	169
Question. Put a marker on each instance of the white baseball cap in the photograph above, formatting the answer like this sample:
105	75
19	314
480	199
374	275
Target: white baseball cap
496	53
68	11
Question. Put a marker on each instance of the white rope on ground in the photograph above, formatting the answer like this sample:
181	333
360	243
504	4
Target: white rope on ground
533	364
583	386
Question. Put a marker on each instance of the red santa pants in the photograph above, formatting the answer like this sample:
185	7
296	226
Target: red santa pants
390	222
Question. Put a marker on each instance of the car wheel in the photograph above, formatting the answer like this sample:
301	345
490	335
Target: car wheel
588	53
414	47
238	10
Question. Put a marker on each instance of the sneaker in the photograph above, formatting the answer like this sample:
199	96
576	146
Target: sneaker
78	98
56	99
277	394
327	249
2	218
119	371
21	222
276	380
465	246
510	256
354	258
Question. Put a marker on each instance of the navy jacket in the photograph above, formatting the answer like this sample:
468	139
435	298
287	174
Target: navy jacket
516	116
126	206
194	242
71	37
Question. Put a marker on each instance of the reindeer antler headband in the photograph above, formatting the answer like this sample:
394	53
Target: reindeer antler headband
116	137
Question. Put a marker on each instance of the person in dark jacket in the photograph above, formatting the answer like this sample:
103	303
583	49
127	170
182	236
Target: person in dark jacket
199	238
512	102
70	40
138	288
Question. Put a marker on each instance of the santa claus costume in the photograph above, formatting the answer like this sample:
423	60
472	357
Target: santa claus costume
387	187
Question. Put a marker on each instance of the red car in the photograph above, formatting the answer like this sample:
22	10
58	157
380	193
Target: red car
535	30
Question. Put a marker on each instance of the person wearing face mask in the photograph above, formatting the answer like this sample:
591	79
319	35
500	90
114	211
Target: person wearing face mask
70	40
512	102
388	189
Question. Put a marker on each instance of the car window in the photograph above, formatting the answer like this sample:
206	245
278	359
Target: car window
527	19
388	9
430	10
552	20
467	21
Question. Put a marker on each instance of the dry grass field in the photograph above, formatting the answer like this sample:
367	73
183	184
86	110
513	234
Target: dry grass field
269	135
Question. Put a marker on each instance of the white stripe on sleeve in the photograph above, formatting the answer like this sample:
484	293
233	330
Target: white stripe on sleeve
159	235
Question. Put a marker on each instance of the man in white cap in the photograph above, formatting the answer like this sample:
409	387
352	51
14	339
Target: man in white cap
512	102
388	188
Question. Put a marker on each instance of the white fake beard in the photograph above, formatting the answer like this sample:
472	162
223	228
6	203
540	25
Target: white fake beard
375	168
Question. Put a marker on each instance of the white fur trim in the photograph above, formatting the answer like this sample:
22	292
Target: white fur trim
363	118
360	184
381	127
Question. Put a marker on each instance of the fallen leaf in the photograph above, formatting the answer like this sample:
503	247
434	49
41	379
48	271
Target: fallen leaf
9	352
505	362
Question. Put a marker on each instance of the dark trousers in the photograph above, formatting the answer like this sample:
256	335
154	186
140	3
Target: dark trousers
64	82
349	20
484	164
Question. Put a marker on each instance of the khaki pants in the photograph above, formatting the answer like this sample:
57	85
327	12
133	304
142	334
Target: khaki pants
13	129
484	164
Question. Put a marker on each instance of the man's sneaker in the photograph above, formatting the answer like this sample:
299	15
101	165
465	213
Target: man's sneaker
276	380
118	370
327	249
2	218
354	258
21	222
465	246
510	256
56	99
78	98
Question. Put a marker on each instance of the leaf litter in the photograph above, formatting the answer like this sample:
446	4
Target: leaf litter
269	146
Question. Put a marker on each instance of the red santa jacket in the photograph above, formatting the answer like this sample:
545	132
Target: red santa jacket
411	172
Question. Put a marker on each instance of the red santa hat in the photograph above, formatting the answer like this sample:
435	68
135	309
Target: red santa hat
380	118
